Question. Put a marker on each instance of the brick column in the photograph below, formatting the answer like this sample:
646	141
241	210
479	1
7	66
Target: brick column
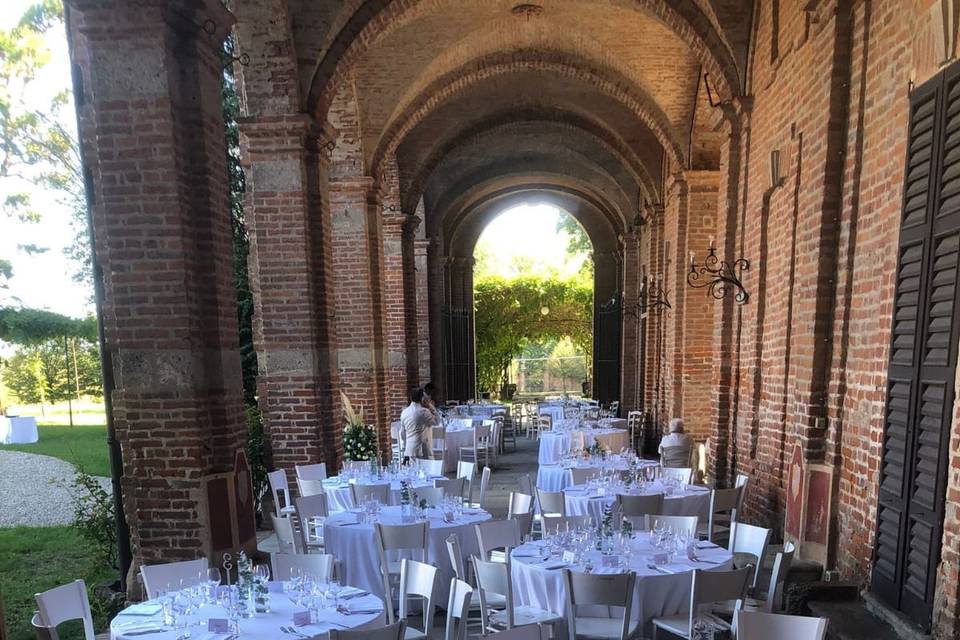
630	366
421	262
358	298
436	283
290	267
151	130
397	286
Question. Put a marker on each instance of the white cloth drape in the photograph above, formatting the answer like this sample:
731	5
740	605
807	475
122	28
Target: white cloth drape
694	501
557	477
555	444
129	625
655	594
459	433
340	497
355	547
18	430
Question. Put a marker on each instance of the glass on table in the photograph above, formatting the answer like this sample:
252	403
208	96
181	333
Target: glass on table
211	583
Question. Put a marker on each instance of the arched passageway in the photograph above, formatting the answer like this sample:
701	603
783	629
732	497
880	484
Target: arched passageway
377	138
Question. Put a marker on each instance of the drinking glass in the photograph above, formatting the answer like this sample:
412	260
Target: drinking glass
213	581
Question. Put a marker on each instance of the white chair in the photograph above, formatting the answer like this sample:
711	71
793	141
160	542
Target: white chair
455	552
393	631
458	607
508	431
433	468
451	487
526	632
554	524
168	576
468	471
778	577
484	483
709	588
432	495
66	602
757	625
287	539
496	440
417	579
552	503
525	485
640	506
723	512
543	422
480	447
438	443
675	457
363	492
582	475
314	475
309	507
748	544
494	578
280	489
494	535
611	590
399	537
635	428
680	474
677	523
287	565
396	440
742	482
520	508
42	632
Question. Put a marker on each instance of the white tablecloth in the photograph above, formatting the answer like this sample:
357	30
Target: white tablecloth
128	626
555	444
557	477
354	546
485	410
340	497
655	594
18	430
694	501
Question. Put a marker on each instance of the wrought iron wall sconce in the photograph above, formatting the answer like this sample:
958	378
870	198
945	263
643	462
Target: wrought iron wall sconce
718	276
656	296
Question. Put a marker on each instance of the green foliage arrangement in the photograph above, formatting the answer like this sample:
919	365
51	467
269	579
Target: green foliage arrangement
257	456
359	438
509	316
94	517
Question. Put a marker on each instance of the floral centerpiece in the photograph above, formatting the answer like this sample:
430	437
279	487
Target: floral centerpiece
359	439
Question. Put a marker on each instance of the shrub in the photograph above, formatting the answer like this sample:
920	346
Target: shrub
94	516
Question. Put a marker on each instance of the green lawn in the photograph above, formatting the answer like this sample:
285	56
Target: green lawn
34	559
82	445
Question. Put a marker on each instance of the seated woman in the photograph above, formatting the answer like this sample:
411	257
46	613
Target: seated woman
675	447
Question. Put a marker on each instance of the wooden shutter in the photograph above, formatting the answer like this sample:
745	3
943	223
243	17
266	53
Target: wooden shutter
923	356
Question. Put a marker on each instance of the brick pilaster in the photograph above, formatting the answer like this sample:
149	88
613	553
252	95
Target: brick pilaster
151	128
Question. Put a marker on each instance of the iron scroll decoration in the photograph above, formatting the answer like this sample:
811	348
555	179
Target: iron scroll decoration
719	276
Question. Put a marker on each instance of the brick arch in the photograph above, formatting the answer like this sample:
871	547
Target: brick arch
617	205
597	216
548	116
643	107
376	18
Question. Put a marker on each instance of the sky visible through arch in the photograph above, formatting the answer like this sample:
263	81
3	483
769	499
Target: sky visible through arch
525	240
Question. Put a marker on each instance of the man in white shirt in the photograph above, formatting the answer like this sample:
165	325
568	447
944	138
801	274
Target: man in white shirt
416	421
677	444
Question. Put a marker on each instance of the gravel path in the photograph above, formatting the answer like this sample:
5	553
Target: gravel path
35	490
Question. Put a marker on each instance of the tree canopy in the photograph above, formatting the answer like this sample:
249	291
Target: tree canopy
31	327
511	314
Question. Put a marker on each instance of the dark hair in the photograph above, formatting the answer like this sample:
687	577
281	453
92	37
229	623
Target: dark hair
416	395
430	388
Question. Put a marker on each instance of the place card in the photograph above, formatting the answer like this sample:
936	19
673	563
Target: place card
569	557
218	625
448	516
611	561
301	618
660	558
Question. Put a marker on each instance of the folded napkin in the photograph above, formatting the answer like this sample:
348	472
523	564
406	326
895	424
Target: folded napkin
555	565
352	592
707	545
143	609
670	568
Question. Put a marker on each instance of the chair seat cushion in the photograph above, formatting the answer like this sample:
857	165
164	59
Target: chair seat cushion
678	625
525	614
740	560
590	627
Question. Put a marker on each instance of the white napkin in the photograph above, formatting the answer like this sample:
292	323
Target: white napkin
143	609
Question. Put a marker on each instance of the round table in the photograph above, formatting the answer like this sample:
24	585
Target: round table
146	619
662	592
340	496
353	543
557	443
557	477
690	500
485	410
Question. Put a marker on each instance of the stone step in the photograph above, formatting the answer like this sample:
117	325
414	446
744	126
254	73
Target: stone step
861	617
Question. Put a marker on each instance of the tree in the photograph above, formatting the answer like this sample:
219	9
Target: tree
54	370
37	152
566	364
511	314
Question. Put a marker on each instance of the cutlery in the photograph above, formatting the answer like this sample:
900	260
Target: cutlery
657	569
705	561
294	632
142	632
351	596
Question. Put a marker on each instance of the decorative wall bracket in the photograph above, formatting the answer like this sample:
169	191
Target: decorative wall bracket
653	297
718	276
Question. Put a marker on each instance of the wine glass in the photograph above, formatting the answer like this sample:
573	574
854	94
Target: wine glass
213	581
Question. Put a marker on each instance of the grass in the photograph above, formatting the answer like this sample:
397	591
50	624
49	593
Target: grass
34	559
84	412
83	445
